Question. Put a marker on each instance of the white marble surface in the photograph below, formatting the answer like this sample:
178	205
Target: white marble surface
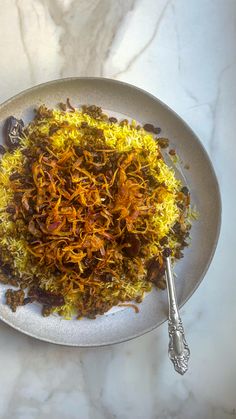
184	52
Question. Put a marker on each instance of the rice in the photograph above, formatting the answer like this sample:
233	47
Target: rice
97	205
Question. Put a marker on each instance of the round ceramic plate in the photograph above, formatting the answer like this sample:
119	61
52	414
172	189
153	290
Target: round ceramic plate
130	102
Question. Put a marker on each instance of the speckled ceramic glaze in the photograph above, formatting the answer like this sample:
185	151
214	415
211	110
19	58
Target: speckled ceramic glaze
121	98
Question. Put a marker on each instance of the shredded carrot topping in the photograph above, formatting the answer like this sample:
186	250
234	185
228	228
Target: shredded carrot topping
94	205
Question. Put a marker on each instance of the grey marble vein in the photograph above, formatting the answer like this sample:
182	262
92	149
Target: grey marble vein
138	54
22	29
88	29
215	106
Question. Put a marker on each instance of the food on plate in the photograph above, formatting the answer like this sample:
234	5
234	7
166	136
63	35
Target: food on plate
87	207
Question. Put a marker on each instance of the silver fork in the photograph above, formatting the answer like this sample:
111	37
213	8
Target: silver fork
178	352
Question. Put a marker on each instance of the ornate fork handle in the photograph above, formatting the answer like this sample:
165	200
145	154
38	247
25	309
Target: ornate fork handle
179	352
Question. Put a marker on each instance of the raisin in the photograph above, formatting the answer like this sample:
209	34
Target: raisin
124	122
26	152
2	149
167	252
155	270
113	120
163	142
54	128
179	254
153	182
78	151
177	227
164	241
11	209
93	111
6	269
157	130
30	211
106	277
18	196
149	127
180	206
134	245
28	300
14	176
185	190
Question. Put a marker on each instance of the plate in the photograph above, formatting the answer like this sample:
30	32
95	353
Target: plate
129	102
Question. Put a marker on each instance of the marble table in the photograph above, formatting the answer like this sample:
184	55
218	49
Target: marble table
182	51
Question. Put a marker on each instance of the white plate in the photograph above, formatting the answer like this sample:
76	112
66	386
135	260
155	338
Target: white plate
117	326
